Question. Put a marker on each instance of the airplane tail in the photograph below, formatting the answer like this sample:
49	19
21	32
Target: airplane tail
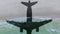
29	4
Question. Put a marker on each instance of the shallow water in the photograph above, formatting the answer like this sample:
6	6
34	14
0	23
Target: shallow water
50	28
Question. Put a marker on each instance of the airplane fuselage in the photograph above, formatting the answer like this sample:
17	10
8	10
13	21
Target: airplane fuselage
29	14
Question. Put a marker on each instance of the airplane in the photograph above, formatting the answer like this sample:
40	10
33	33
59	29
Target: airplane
29	25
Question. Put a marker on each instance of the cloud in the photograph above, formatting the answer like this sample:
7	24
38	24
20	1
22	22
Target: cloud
13	8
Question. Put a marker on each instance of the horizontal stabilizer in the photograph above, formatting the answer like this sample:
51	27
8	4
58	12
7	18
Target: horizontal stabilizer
25	3
29	4
33	3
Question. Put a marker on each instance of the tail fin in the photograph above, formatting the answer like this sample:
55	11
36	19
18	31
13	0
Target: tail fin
29	4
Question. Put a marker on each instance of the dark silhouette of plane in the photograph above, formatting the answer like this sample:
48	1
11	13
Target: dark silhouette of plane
29	25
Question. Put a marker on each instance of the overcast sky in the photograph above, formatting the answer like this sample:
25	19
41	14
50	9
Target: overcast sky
14	8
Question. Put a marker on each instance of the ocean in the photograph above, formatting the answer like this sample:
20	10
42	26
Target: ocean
50	28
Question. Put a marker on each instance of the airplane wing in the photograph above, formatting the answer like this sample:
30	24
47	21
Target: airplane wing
44	22
39	24
31	25
18	24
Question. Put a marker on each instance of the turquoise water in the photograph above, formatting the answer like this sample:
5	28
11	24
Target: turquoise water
50	28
